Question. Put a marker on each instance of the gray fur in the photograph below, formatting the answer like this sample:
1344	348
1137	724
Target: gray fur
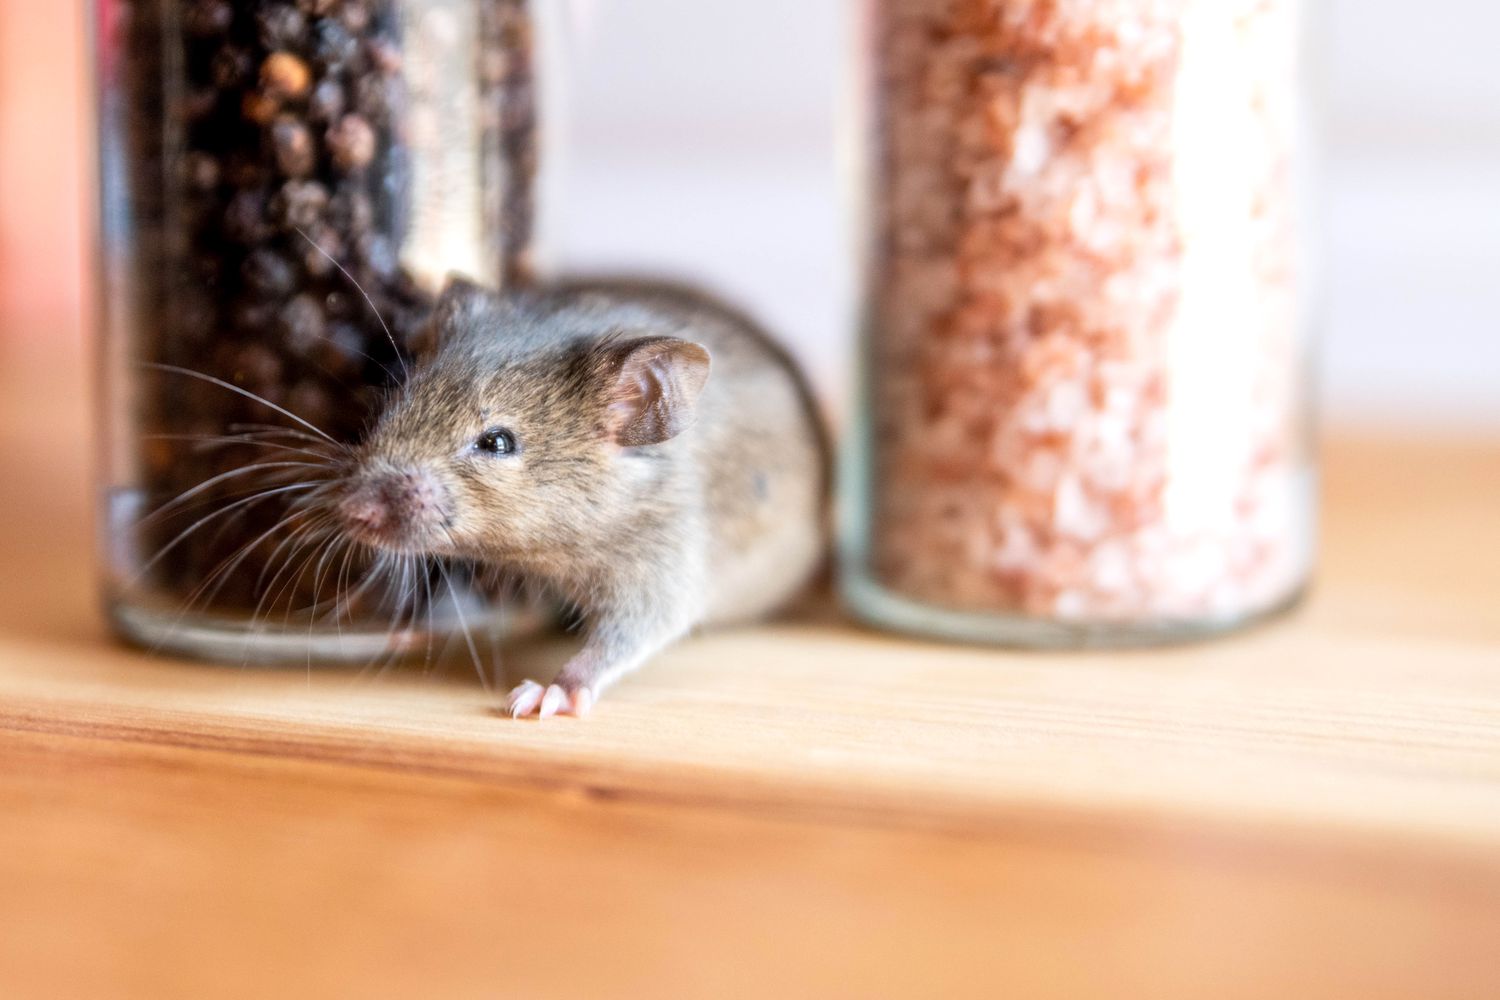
722	522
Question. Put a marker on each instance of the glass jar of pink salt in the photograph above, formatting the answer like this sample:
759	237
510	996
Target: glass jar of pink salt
1084	391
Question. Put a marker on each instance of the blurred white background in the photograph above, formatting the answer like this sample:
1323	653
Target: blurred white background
703	142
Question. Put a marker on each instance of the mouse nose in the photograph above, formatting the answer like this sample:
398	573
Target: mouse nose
364	511
395	506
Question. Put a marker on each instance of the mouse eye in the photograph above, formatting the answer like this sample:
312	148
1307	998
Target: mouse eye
496	441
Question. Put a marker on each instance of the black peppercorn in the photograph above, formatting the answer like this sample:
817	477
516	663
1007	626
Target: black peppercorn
333	44
285	76
356	15
352	210
243	169
320	249
260	106
201	171
380	98
196	105
344	350
351	143
245	217
302	324
384	55
377	254
292	143
339	305
300	204
326	102
230	67
281	26
268	273
250	317
208	18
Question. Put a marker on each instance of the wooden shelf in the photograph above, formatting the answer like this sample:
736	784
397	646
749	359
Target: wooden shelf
805	809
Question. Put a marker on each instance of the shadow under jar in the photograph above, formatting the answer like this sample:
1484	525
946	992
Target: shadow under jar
1085	367
285	185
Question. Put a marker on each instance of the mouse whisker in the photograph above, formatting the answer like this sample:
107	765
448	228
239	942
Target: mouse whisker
230	386
294	572
347	595
409	591
340	590
229	508
213	481
378	571
313	549
344	605
206	591
463	625
221	498
428	568
207	442
292	544
327	556
401	594
338	448
400	355
316	535
215	579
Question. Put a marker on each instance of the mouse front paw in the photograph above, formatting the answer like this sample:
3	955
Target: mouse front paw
530	698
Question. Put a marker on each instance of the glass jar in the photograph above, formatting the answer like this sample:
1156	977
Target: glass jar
1084	414
284	187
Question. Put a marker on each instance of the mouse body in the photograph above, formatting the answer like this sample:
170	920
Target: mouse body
646	452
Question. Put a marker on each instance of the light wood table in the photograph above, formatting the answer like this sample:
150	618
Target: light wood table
1311	809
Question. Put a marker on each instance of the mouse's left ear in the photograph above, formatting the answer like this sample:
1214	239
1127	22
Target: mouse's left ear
461	300
461	296
653	387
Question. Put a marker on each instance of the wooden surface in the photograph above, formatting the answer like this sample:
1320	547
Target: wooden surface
1311	809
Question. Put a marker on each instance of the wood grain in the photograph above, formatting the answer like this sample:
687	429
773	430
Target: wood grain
805	809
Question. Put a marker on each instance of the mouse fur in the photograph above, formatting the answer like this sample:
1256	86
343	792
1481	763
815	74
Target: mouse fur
647	452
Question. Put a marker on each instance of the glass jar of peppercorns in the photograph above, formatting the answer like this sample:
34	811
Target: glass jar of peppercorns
284	187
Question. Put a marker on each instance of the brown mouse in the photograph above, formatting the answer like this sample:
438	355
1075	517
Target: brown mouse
645	451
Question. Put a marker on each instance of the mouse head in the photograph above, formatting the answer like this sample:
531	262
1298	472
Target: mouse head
532	428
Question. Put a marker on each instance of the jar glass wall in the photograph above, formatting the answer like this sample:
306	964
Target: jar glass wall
1084	413
285	185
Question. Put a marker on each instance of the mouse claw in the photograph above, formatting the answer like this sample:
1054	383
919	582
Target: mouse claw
524	699
554	699
531	698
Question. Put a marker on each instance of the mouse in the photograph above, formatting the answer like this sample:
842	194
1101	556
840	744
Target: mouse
644	451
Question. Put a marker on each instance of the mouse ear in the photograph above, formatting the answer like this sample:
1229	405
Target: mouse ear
653	389
460	296
460	299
